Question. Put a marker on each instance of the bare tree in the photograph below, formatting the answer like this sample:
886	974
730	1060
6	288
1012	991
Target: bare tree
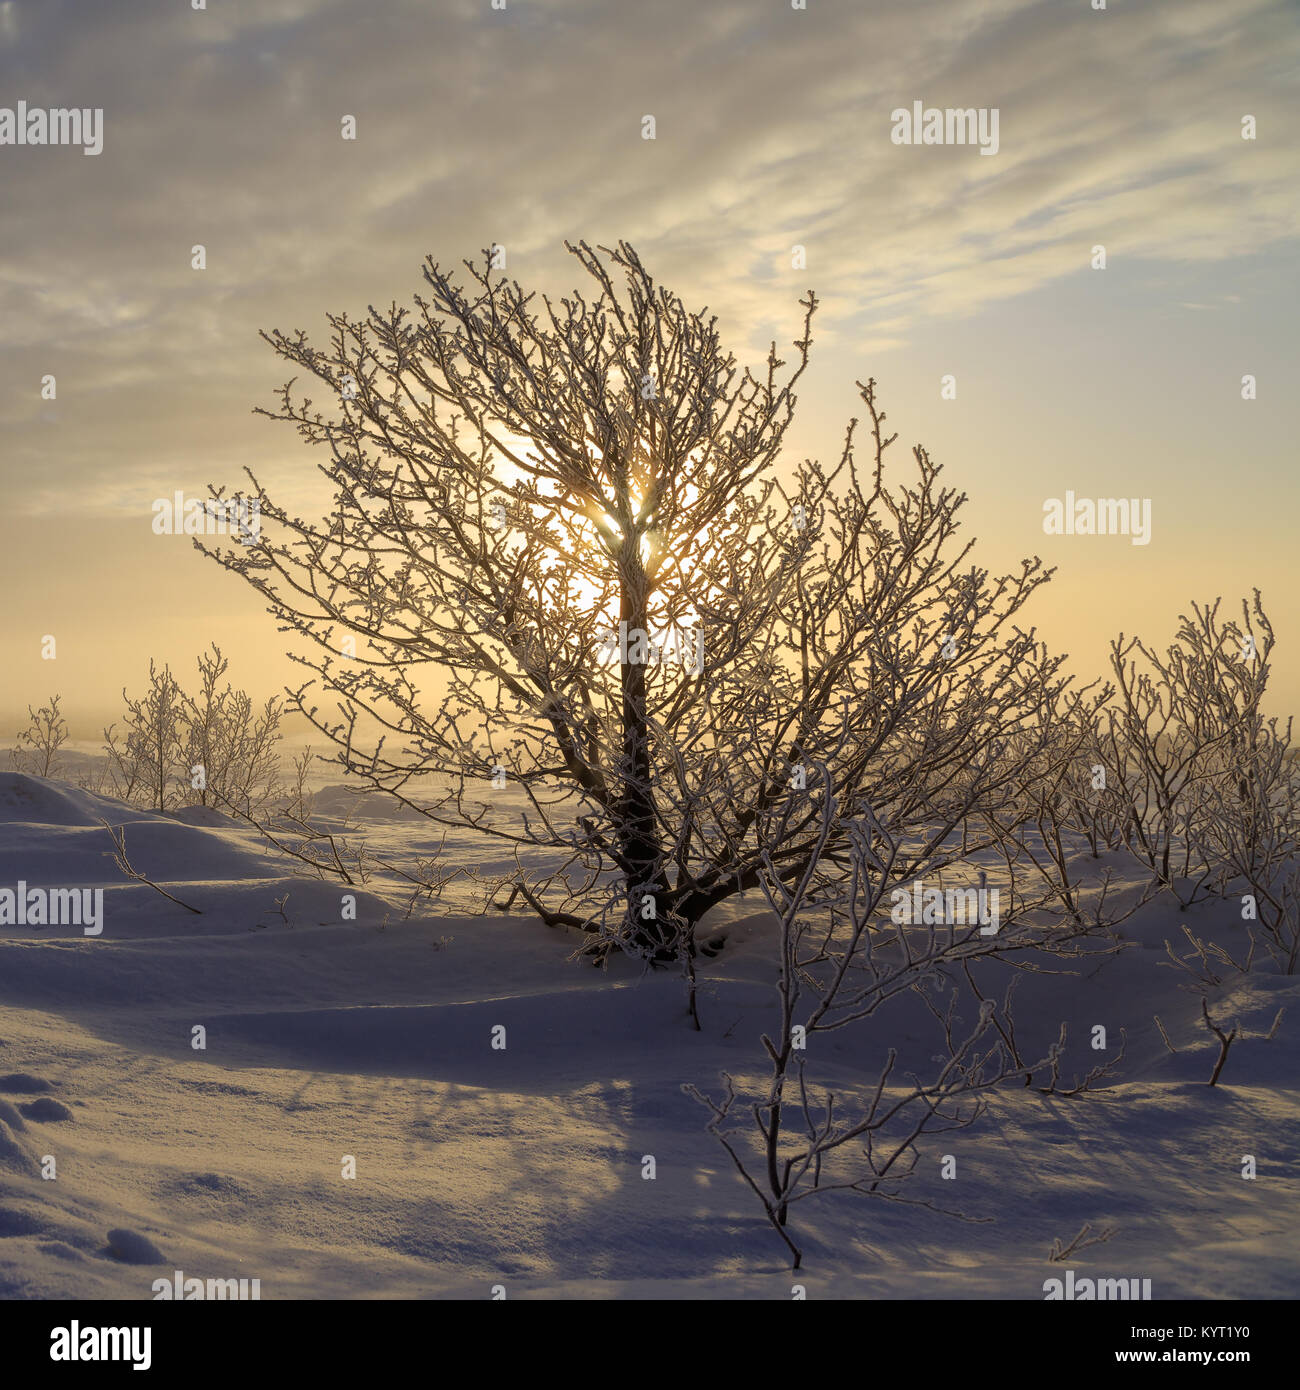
145	760
1255	840
1249	822
229	746
1096	811
45	734
215	748
844	956
571	511
1058	801
1185	726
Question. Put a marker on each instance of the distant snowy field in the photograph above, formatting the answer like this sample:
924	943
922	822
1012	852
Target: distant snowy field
523	1168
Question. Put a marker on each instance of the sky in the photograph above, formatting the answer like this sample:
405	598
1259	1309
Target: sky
223	128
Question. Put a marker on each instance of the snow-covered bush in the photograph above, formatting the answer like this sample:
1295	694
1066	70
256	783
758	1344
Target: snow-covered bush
38	745
1182	739
848	954
215	748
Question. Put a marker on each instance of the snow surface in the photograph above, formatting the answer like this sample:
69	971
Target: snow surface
477	1167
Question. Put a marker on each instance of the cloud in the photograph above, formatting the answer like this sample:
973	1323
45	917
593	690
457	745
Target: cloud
222	128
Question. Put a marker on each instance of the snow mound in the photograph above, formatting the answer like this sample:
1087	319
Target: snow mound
29	800
46	1109
13	1152
53	835
134	1249
206	816
22	1083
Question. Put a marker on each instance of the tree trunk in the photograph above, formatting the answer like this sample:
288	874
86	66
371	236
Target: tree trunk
638	833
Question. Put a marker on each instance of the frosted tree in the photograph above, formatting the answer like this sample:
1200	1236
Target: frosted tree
566	553
849	953
1248	814
1187	749
39	743
1061	798
145	758
229	740
214	748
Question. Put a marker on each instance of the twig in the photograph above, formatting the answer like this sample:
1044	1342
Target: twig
1059	1253
1225	1040
118	835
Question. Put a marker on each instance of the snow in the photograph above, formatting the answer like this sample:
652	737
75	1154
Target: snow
475	1166
134	1249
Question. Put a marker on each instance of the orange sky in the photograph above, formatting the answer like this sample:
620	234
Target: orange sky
222	129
